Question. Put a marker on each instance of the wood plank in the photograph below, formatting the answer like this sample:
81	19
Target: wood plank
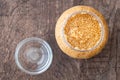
20	19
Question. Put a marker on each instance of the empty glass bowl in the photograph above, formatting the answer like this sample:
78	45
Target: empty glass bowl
33	55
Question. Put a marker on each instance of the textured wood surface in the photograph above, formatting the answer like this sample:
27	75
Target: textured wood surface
20	19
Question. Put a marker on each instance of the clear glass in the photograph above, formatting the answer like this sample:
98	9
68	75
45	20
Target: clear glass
99	21
33	55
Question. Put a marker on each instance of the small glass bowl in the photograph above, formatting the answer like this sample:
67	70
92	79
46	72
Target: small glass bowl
33	55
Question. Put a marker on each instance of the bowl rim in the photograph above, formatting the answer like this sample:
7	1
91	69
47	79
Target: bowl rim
48	62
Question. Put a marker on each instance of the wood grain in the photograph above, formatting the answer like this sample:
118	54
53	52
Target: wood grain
20	19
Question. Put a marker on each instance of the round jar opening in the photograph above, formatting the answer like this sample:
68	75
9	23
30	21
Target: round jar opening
83	31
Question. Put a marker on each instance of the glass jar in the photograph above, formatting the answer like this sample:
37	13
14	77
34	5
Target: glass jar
64	43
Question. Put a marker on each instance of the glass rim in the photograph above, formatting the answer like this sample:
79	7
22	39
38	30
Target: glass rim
48	62
100	24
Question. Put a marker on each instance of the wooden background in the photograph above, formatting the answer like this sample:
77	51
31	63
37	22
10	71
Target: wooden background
20	19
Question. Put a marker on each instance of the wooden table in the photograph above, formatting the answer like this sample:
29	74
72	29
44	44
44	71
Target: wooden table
20	19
